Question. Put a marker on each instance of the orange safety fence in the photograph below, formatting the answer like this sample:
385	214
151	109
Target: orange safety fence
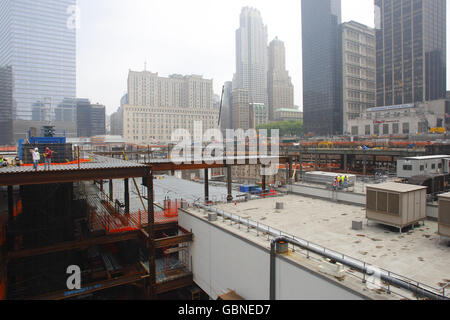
171	208
61	164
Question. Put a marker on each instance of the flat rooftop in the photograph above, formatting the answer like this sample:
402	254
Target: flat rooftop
418	254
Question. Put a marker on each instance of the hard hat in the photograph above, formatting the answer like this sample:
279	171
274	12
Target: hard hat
36	149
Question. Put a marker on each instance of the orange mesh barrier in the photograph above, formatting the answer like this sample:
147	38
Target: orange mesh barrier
60	164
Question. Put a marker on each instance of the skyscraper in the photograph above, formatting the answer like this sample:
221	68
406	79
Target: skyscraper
280	88
322	76
410	51
358	71
6	105
38	41
251	56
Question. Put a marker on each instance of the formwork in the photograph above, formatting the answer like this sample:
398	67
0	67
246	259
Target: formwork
444	215
396	204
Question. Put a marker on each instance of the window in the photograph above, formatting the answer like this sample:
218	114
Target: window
385	129
395	128
405	128
407	167
367	130
422	168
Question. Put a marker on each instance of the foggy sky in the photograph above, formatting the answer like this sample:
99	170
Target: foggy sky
183	37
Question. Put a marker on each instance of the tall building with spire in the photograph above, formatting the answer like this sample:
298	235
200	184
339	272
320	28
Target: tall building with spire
280	88
322	71
410	51
251	56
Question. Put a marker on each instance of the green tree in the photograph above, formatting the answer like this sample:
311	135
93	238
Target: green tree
291	128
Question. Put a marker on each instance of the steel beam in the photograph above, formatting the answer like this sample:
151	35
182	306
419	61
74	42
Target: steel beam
73	245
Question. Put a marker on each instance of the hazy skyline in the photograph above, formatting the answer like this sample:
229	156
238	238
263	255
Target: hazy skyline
184	37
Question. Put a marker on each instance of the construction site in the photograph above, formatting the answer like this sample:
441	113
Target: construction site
140	226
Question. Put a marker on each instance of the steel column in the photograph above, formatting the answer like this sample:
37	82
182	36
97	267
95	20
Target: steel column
229	184
151	238
127	195
206	184
111	190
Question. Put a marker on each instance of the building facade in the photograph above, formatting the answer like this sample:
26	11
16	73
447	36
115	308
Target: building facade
240	100
280	88
358	71
156	106
288	114
149	89
322	78
143	125
251	56
39	43
410	51
258	115
91	119
226	116
407	119
6	106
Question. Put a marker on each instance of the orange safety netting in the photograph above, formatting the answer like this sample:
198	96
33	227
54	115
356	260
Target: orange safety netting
171	208
61	164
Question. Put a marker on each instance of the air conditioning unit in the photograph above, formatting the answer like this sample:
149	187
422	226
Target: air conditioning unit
396	204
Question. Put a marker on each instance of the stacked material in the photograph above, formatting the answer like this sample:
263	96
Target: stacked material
327	178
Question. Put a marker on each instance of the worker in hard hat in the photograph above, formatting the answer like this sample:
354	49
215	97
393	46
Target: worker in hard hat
3	162
36	158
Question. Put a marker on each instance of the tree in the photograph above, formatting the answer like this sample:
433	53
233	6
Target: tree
291	128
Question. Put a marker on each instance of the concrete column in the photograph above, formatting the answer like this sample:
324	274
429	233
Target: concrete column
127	195
206	185
229	184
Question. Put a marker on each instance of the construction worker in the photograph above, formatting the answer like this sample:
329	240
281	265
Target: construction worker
48	158
3	162
36	158
345	182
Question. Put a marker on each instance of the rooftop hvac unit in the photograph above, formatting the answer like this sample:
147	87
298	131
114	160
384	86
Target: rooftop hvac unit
396	204
444	215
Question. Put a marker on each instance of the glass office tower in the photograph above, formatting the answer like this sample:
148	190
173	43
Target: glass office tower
38	41
411	51
322	74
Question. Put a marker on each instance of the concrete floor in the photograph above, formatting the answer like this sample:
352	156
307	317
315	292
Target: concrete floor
418	254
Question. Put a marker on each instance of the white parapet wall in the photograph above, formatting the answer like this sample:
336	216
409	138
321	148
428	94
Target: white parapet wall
223	260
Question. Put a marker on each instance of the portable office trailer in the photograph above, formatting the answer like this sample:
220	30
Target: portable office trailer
417	166
396	204
444	215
